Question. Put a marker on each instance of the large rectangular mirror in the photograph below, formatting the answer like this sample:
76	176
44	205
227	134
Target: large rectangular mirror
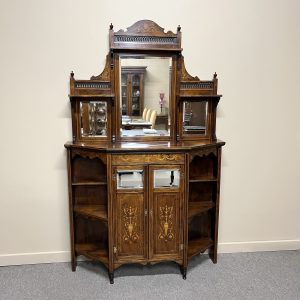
145	96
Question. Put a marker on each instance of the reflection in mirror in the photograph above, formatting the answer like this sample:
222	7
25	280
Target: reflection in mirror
93	118
130	179
166	178
194	117
144	96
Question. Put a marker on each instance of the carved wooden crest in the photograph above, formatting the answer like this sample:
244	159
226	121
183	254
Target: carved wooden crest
145	28
145	34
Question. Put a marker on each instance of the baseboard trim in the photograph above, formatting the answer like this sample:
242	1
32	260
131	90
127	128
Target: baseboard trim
256	246
34	258
65	256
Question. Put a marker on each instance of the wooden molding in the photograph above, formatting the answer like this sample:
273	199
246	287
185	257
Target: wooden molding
147	158
105	75
89	154
185	76
202	152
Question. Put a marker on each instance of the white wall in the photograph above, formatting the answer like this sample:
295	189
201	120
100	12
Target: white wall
253	45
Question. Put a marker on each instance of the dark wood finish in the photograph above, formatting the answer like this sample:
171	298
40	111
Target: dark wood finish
92	251
197	208
198	246
147	224
92	211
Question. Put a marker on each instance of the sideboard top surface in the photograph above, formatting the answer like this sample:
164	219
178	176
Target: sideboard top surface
163	146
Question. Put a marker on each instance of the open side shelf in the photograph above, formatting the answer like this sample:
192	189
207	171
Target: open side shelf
92	251
197	208
203	179
87	171
89	183
197	246
94	211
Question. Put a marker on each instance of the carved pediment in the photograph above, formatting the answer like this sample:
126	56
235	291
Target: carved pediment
145	28
145	35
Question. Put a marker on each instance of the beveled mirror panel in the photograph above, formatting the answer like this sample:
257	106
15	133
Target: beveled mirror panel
195	117
145	96
130	179
166	178
93	118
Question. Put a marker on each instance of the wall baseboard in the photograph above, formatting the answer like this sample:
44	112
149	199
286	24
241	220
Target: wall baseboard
64	256
34	258
256	246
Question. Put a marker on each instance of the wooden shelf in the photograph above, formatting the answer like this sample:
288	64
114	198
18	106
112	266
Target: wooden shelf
89	183
203	179
92	251
198	246
94	211
196	208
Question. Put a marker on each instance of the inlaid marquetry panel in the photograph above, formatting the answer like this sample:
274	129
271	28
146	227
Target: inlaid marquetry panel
130	225
166	223
163	158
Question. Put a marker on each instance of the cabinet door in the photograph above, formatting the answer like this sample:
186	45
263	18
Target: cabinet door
129	214
166	206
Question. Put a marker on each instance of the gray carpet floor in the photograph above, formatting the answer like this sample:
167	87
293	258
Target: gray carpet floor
260	275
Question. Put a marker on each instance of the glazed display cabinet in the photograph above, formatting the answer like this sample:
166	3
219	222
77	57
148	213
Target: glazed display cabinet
140	194
132	91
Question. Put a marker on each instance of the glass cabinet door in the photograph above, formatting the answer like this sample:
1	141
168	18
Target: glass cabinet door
135	95
124	94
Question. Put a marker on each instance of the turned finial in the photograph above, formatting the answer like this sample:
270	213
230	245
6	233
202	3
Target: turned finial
178	28
72	74
215	75
111	26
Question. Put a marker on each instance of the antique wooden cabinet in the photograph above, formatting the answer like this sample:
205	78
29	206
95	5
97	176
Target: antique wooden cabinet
139	194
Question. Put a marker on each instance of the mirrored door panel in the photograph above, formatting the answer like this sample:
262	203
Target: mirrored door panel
195	117
93	118
130	179
145	96
166	178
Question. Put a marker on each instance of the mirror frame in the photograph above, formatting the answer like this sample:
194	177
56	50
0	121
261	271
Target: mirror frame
145	38
172	97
